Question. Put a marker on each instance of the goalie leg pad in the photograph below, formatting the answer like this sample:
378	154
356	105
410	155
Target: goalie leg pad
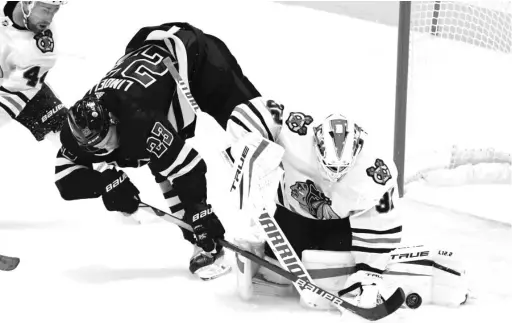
267	282
450	286
245	268
329	270
436	275
253	279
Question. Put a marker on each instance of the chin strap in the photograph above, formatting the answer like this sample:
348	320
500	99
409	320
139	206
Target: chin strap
30	6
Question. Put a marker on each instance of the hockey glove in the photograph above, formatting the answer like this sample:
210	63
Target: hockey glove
43	114
207	228
119	194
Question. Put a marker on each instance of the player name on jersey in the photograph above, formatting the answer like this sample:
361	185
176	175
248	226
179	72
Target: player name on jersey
114	83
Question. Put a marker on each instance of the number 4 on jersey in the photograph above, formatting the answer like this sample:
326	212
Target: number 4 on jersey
32	76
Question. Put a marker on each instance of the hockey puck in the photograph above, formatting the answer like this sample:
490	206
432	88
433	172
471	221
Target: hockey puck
413	301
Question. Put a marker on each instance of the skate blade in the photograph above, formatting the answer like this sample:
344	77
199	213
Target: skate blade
8	263
212	271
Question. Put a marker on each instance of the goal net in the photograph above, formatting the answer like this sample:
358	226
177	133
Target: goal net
458	94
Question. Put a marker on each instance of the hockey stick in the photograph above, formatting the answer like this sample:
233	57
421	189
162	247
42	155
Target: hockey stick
185	90
209	272
8	263
371	314
166	216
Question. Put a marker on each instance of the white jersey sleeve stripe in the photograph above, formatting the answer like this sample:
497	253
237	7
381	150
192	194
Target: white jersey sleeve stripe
259	111
63	173
20	95
186	169
12	105
248	121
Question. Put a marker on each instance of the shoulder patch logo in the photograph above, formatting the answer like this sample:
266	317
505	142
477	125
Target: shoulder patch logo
298	121
379	173
44	41
313	200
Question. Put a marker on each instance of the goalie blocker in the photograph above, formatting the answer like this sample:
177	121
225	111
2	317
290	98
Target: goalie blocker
427	275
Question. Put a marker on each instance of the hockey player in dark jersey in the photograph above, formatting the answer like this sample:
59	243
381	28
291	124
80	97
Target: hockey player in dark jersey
135	116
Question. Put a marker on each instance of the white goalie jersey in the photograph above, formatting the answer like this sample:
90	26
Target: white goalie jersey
365	195
369	185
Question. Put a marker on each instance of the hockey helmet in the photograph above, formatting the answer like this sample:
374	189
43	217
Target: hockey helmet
338	142
89	122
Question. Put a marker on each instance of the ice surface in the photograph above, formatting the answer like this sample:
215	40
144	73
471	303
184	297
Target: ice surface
80	263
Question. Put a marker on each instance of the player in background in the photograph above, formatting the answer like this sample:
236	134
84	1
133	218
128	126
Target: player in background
336	206
27	53
135	116
26	56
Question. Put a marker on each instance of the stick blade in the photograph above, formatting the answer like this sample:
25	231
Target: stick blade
8	263
380	311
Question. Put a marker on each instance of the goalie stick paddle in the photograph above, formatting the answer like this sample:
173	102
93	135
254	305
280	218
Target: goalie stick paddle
8	263
372	314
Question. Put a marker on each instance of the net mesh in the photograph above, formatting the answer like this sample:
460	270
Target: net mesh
459	97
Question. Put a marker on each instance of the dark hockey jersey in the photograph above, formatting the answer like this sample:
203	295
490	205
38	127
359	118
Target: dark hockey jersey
153	118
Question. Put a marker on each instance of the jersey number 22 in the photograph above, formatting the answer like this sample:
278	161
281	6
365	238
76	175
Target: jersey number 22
146	66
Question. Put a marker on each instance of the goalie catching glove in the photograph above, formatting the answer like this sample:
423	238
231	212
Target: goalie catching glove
119	192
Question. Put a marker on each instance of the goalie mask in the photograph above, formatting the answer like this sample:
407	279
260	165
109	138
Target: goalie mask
92	125
338	142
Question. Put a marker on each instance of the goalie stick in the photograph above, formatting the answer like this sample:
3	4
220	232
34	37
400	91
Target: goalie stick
372	314
8	263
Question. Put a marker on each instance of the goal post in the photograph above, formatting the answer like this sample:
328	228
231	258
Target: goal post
402	64
453	92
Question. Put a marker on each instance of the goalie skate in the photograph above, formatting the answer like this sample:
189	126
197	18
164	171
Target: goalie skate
208	266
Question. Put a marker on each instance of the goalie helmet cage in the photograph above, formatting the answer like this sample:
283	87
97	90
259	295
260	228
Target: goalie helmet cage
453	97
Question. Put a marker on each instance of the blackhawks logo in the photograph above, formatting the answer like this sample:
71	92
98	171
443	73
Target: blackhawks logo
44	41
379	173
297	122
312	200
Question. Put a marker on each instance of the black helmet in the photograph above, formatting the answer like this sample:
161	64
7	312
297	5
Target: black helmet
89	122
